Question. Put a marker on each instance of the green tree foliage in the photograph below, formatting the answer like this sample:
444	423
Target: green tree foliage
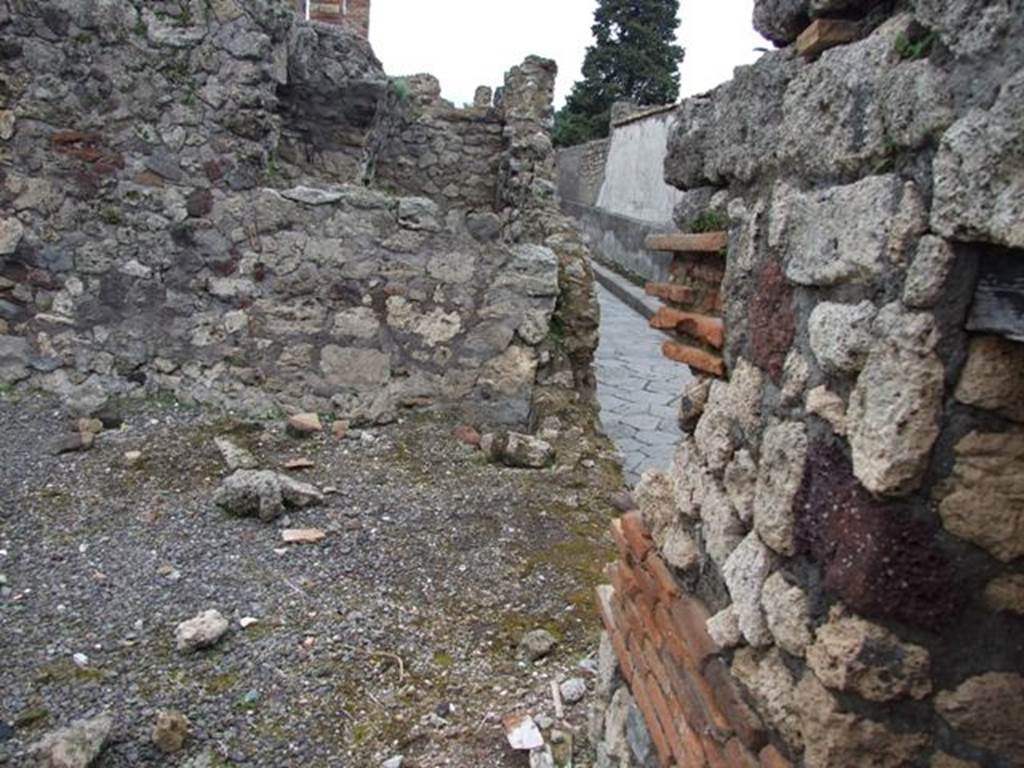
634	57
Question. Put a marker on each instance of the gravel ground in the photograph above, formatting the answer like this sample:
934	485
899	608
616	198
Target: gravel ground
434	566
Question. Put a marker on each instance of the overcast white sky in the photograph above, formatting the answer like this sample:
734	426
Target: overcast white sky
467	43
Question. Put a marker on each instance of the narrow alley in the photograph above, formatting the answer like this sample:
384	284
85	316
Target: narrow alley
637	387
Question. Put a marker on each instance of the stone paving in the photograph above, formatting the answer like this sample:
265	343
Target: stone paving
638	389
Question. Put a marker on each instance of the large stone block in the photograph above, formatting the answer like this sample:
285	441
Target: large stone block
745	572
876	557
851	654
783	452
833	737
858	104
787	611
14	359
970	28
988	710
893	417
720	527
772	320
729	134
11	232
847	234
771	685
982	501
355	369
781	21
841	335
979	173
993	377
926	278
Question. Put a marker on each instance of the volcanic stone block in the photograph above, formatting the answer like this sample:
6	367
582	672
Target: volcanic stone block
842	234
783	452
851	654
979	184
841	335
745	573
720	527
772	320
983	499
894	414
788	613
879	560
993	377
926	278
989	711
781	21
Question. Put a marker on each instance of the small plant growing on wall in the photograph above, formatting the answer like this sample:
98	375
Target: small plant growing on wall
916	43
710	221
401	86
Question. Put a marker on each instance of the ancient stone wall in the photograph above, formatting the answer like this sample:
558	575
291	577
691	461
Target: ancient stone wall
840	540
434	149
615	192
581	171
184	210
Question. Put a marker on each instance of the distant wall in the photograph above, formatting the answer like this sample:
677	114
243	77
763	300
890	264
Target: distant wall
618	241
634	183
581	171
615	190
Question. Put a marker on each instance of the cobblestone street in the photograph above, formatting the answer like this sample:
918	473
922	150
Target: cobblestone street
638	388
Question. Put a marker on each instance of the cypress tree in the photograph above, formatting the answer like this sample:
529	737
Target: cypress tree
634	57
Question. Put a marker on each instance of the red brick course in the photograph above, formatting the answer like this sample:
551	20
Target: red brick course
694	709
354	14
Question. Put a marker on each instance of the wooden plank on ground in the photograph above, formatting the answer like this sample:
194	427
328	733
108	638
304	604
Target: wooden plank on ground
824	34
710	330
684	242
695	358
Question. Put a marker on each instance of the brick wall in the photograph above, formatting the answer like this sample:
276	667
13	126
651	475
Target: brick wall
355	13
694	709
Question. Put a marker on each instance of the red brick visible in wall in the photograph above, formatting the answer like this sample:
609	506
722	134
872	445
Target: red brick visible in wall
693	708
771	320
353	13
876	556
